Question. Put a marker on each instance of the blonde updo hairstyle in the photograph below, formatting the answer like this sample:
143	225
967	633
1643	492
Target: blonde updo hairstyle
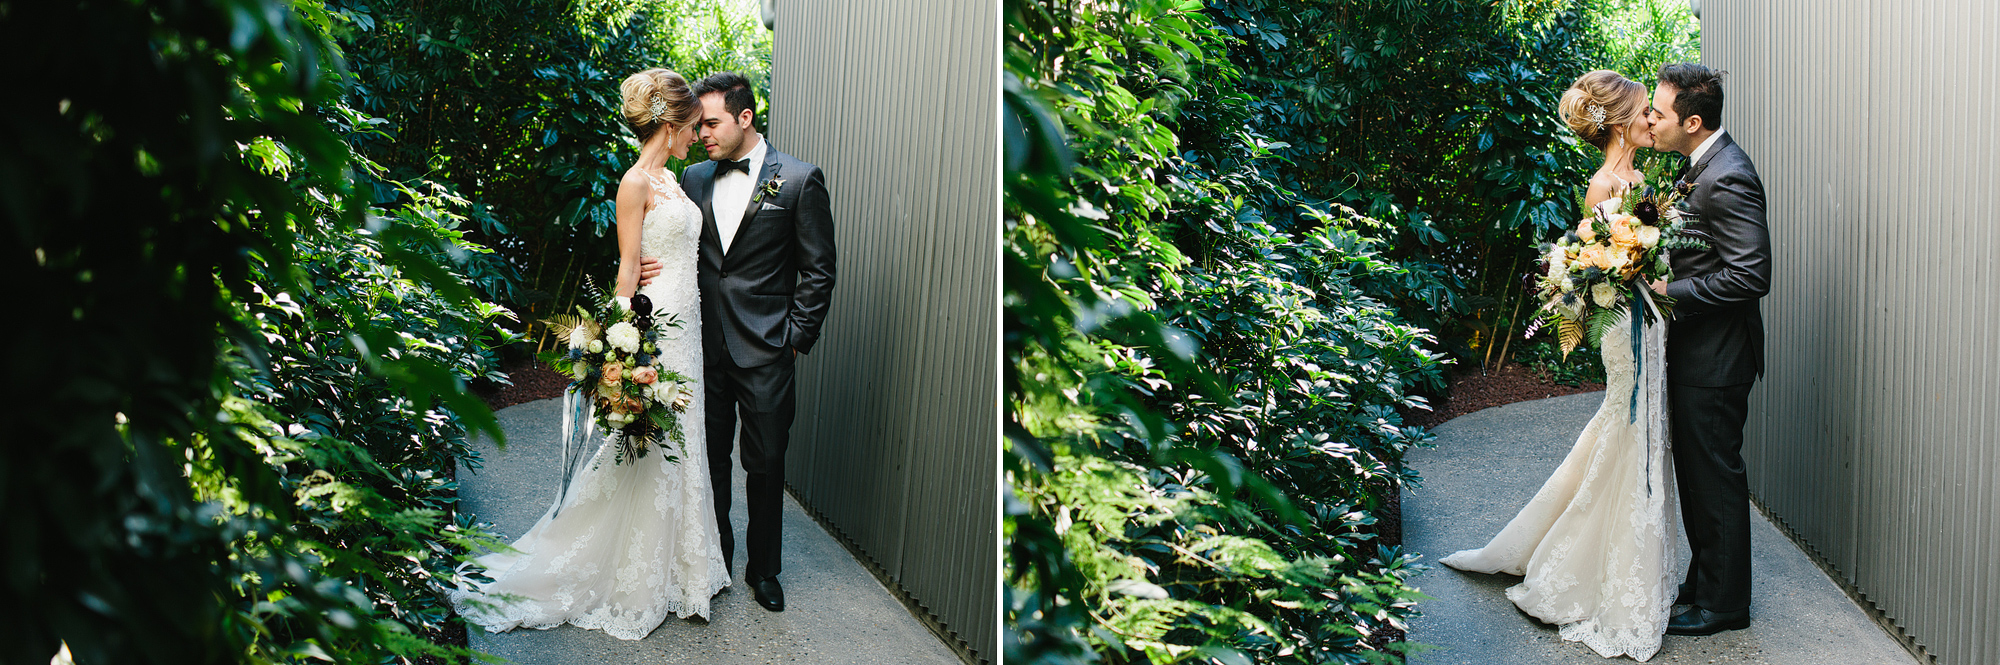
656	99
1623	101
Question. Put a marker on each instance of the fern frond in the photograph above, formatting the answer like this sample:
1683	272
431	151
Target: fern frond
1570	333
561	325
1601	320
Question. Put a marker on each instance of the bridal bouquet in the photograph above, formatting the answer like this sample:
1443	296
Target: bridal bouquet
616	371
1604	265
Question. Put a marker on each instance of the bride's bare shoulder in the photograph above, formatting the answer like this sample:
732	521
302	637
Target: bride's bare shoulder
635	181
1602	186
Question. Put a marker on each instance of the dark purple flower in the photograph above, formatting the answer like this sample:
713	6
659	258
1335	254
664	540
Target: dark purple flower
1647	211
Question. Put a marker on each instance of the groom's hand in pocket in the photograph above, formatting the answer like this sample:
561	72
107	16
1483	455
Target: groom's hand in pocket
649	267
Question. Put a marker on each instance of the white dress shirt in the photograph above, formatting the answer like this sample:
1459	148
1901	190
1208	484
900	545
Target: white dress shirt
732	195
1692	159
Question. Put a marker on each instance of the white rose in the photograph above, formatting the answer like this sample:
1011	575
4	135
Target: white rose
1604	294
1649	236
623	337
1610	205
595	346
1568	284
579	337
580	370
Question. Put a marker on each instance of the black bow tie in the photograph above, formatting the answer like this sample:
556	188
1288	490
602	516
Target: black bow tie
725	166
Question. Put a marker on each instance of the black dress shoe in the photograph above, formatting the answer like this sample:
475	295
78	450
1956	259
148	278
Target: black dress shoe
1697	621
1685	596
769	594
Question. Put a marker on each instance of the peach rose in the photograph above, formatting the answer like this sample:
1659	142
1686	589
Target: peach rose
1622	233
1592	256
1586	233
614	372
645	375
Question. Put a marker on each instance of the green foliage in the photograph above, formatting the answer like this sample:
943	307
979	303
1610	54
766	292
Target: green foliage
249	385
1202	408
1543	355
513	105
1236	236
363	471
1637	37
1439	118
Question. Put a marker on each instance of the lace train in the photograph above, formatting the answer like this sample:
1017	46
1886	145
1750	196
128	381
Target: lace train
1597	546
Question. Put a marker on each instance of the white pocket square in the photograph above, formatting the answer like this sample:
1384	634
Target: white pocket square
770	206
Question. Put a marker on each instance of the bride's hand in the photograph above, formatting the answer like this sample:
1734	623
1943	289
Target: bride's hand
649	267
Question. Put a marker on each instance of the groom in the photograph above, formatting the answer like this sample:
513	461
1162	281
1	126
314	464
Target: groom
766	276
1715	345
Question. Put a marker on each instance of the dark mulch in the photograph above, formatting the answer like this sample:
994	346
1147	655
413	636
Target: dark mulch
1475	390
531	381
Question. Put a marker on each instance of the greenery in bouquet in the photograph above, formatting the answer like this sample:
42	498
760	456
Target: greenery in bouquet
617	367
1594	271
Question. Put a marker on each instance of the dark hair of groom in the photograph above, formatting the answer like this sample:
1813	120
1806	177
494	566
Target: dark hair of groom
1697	92
737	95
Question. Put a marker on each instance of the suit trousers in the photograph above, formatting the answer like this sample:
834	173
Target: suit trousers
1715	494
763	398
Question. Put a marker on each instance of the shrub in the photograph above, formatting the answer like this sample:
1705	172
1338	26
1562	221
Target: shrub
244	386
1201	410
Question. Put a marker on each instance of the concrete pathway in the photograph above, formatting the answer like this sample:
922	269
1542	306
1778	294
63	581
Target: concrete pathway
835	610
1488	464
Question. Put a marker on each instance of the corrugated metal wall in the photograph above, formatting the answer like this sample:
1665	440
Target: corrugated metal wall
896	444
1875	435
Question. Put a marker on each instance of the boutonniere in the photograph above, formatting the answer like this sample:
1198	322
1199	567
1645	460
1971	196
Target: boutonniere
771	187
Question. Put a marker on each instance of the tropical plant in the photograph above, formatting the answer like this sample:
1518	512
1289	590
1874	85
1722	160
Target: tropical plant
1637	37
1177	366
248	384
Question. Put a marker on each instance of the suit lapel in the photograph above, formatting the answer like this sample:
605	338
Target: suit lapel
765	173
705	194
1721	143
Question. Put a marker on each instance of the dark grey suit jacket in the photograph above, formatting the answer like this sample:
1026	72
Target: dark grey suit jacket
1717	335
769	294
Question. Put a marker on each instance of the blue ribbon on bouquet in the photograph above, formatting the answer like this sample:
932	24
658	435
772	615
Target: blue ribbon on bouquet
578	430
1641	306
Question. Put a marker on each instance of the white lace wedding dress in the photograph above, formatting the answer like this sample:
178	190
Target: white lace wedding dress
633	542
1598	543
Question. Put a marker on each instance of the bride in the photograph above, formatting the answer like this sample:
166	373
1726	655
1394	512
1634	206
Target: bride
632	542
1596	546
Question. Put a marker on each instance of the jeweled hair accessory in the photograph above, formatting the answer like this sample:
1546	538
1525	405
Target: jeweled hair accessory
1593	111
660	108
